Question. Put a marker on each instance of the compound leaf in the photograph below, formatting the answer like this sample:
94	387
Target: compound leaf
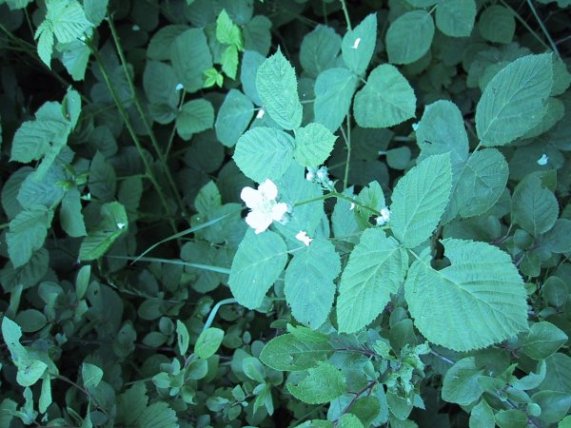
358	45
455	18
313	144
334	89
322	384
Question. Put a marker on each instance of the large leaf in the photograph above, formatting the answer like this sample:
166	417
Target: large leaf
409	37
259	261
515	100
497	24
264	153
313	144
191	57
322	384
475	302
194	116
319	50
375	270
27	233
419	200
334	89
309	286
292	353
114	223
455	18
481	183
358	45
534	207
386	100
277	87
233	117
441	130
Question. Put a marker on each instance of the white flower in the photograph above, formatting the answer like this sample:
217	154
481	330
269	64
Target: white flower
542	161
310	175
120	225
179	87
352	206
384	217
302	236
322	174
261	113
356	43
263	206
136	28
414	126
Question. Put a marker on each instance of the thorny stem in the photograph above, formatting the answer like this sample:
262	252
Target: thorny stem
338	196
366	389
348	145
133	135
139	108
346	14
524	23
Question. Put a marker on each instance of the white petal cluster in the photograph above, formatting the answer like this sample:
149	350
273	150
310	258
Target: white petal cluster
302	237
542	161
384	217
320	176
263	206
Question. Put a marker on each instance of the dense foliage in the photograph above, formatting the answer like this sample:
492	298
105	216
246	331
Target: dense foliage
313	213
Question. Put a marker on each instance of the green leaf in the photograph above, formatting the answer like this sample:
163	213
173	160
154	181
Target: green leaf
45	399
227	32
31	320
461	383
160	45
319	50
91	375
277	87
251	61
183	338
455	18
349	420
195	116
482	416
543	340
477	301
375	270
289	352
554	405
159	82
309	286
409	37
66	19
71	217
334	89
26	275
358	45
233	117
497	24
95	10
47	134
481	183
386	100
556	239
229	61
323	383
313	145
75	58
114	223
208	342
515	100
259	261
191	57
158	415
419	200
264	153
441	130
27	233
534	207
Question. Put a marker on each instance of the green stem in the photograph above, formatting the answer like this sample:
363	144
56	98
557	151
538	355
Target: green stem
346	14
347	138
143	116
525	24
542	26
214	311
173	130
338	196
133	134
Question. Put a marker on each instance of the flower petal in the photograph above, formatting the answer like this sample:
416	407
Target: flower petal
279	211
251	197
268	189
259	221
